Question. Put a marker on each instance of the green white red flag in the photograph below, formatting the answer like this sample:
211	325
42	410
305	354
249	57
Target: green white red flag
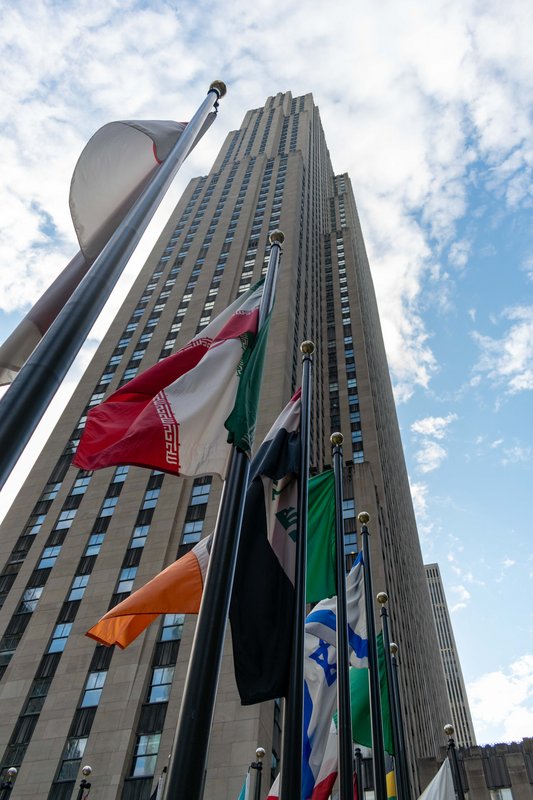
173	416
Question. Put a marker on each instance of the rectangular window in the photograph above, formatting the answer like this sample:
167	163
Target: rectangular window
59	637
72	755
160	685
30	598
80	485
108	506
50	491
140	532
192	532
78	586
125	581
121	473
172	627
94	544
145	755
64	520
48	557
150	498
34	524
93	689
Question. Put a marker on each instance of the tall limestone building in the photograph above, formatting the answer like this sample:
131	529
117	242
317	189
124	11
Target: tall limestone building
74	542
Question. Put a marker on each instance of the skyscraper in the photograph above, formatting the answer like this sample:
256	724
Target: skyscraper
76	543
461	717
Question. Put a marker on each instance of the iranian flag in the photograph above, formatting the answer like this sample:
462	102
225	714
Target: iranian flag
173	416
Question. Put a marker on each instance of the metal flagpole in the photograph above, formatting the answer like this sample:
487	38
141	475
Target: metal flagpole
398	705
292	744
343	656
258	766
188	759
452	754
378	757
400	763
28	397
359	774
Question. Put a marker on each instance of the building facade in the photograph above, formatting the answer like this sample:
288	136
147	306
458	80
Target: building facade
461	717
491	772
76	543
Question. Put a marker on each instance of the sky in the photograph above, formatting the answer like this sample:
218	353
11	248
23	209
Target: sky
428	107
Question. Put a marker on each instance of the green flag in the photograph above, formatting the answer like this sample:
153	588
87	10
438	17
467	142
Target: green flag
360	700
321	580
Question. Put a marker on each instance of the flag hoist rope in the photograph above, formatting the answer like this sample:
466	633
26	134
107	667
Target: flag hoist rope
30	394
188	760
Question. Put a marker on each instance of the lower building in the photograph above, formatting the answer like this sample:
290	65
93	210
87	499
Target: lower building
461	717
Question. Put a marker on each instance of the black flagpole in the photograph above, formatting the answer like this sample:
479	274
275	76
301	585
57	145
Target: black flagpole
292	744
343	656
378	756
400	762
28	397
188	759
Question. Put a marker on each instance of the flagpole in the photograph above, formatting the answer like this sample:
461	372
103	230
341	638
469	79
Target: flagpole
28	397
398	705
188	759
400	762
378	757
292	744
343	657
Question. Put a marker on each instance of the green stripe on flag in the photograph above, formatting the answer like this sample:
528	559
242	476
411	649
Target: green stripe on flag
321	581
242	420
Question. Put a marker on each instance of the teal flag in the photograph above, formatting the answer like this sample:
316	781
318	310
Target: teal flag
321	580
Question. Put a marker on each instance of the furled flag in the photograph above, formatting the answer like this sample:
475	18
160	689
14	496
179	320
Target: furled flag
441	787
178	588
321	544
319	768
263	587
360	703
244	794
113	169
171	417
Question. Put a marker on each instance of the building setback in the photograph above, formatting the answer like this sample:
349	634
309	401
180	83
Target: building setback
461	717
75	543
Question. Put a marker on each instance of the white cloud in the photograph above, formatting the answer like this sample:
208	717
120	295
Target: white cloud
435	92
433	426
503	700
516	455
430	456
419	493
508	361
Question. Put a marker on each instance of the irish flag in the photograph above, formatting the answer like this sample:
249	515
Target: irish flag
172	416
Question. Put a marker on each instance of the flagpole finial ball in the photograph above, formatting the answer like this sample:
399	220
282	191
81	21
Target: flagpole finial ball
86	771
260	753
448	730
276	237
393	648
336	438
363	517
382	598
12	773
307	347
219	87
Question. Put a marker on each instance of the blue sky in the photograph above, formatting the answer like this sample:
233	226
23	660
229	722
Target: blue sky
429	108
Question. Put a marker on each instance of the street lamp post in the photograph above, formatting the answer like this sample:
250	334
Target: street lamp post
258	766
459	791
84	783
7	782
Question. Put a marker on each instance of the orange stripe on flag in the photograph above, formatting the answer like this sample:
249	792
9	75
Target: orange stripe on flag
176	590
